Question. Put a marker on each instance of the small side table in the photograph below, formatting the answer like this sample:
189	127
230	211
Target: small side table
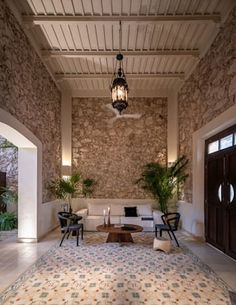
161	243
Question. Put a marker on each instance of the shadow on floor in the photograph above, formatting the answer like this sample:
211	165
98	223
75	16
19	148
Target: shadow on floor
232	297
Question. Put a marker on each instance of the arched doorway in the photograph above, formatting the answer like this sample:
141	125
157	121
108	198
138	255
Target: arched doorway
29	174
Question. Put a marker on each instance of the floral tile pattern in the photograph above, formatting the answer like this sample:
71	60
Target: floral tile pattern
96	273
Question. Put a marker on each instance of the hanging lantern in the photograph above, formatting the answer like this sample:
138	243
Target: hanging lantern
119	85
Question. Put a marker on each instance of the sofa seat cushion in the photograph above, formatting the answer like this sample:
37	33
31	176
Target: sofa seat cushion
147	224
131	220
114	219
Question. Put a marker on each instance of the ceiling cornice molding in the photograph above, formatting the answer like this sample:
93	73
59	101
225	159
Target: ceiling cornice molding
67	76
43	19
79	54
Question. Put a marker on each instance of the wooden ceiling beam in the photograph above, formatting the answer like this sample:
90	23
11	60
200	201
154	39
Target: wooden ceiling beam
68	76
49	19
160	92
79	54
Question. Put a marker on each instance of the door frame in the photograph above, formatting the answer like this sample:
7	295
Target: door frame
222	155
192	213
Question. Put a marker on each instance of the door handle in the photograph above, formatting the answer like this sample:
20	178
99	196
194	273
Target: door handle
220	192
231	193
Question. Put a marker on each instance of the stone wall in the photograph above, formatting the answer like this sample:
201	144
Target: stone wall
208	92
113	149
29	94
9	164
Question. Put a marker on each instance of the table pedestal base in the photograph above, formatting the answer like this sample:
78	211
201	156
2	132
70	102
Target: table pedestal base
119	237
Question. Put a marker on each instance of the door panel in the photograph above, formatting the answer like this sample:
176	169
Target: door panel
214	202
231	205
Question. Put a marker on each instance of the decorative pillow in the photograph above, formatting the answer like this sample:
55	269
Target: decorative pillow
131	212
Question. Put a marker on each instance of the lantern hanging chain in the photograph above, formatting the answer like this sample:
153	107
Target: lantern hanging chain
120	38
120	41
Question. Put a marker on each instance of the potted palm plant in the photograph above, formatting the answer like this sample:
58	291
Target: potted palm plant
66	188
162	181
88	187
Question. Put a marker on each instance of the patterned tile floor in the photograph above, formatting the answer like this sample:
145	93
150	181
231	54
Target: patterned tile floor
96	273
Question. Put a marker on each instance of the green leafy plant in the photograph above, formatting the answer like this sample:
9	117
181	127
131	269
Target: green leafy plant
66	188
88	187
162	181
8	221
7	144
9	196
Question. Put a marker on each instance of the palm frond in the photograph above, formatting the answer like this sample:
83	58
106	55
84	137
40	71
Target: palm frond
161	181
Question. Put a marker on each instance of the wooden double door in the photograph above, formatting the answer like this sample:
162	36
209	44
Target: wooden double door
220	199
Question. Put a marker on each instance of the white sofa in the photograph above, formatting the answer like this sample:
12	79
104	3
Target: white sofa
93	215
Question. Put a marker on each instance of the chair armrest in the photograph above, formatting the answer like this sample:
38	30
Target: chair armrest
157	216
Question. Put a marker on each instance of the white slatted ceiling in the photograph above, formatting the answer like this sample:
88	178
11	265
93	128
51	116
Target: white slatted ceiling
123	7
132	65
186	36
142	36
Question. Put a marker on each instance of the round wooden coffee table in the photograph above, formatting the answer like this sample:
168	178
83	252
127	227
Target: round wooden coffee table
119	234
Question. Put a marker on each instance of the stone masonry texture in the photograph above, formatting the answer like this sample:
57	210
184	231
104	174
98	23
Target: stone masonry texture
28	93
208	92
113	149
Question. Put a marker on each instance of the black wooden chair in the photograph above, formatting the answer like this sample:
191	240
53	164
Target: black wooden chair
69	223
170	225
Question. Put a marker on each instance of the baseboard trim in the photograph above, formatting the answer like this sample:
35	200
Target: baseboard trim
27	240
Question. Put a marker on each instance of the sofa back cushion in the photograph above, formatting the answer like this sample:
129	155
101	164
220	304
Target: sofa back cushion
144	209
117	209
95	209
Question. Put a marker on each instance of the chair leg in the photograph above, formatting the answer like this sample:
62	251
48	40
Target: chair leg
68	234
156	231
82	231
160	233
63	237
169	235
77	237
175	238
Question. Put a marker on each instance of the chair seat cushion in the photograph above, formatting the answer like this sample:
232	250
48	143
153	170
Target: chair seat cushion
164	227
72	227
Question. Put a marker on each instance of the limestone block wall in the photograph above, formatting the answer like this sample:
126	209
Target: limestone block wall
113	149
9	164
28	93
208	92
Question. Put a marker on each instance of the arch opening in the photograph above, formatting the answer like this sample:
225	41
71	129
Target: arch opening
29	174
